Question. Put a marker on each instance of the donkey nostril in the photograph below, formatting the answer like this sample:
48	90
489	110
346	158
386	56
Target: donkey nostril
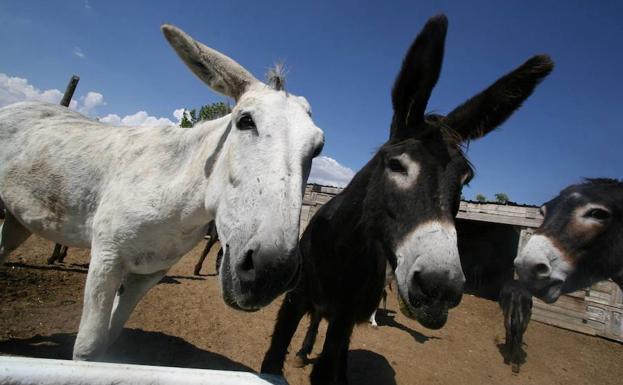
541	270
417	286
247	262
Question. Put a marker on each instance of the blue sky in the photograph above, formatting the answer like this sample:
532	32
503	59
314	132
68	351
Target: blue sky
343	57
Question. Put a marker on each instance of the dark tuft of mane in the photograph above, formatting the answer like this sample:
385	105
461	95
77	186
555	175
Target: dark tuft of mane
449	134
276	77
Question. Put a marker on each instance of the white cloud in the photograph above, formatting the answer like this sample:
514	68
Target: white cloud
90	102
178	114
112	119
14	89
329	172
140	118
78	52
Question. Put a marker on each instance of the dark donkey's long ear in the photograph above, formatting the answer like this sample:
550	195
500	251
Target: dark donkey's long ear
418	75
481	114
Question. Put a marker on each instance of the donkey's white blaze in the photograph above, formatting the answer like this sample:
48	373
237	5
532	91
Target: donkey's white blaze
431	246
405	180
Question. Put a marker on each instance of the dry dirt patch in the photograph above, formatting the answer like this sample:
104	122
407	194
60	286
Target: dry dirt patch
184	322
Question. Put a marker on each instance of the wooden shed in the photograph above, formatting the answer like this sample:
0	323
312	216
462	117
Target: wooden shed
489	236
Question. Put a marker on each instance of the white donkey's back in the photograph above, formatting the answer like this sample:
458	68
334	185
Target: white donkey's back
54	164
142	197
58	166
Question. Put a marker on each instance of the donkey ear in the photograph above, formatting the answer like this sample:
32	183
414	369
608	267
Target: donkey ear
418	75
218	71
484	112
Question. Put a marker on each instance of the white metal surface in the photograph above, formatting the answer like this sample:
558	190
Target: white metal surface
31	371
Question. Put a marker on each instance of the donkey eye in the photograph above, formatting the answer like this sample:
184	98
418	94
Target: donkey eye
395	166
246	122
598	214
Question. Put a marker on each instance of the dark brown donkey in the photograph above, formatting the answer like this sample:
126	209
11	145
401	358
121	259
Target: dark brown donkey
579	243
211	232
516	303
399	209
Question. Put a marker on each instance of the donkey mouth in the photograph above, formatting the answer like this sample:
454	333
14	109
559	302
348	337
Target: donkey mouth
251	295
430	314
231	296
550	292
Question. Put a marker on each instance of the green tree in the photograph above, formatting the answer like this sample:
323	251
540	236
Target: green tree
206	112
213	111
501	198
481	198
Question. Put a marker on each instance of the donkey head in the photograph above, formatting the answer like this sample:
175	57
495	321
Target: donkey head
265	157
417	176
579	242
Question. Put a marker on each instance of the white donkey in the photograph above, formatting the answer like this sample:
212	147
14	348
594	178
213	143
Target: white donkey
141	197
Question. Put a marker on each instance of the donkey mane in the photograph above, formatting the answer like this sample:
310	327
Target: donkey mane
450	136
276	77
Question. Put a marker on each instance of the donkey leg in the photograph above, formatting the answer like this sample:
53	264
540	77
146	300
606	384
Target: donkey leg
12	235
103	280
204	254
331	365
308	342
343	369
292	310
508	345
515	358
385	300
372	320
61	257
135	286
219	260
55	254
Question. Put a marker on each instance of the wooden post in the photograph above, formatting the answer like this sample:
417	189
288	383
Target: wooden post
69	91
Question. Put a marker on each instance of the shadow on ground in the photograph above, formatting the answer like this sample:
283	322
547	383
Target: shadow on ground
387	318
175	279
508	358
134	346
366	367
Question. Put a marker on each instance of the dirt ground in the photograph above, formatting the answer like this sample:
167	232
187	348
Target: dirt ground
184	322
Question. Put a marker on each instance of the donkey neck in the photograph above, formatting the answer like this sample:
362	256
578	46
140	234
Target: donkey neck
201	150
348	218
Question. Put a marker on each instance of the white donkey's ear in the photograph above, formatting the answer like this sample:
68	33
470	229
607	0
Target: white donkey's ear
218	71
